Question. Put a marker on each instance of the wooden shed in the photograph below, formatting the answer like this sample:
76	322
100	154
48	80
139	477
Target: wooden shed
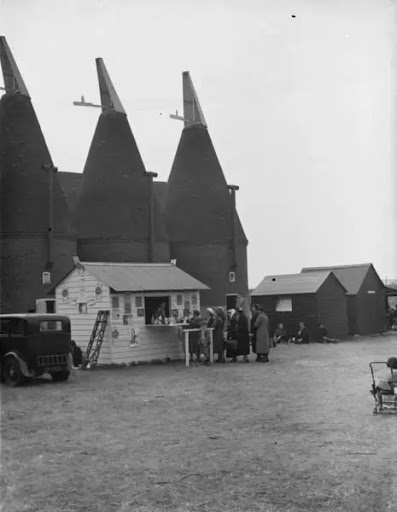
366	297
133	293
312	298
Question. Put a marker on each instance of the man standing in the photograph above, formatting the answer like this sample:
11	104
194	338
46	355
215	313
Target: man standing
261	327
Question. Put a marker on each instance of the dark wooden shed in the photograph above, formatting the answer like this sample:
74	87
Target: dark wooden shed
313	298
366	297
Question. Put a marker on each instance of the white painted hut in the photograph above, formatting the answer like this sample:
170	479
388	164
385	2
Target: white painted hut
133	293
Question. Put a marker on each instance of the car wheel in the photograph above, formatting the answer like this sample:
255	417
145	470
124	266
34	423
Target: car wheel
60	376
12	372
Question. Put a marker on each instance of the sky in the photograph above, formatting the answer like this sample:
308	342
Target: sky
301	110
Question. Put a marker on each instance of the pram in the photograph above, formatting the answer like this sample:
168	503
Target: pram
385	400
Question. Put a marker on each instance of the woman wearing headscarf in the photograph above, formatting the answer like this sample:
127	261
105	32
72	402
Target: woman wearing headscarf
231	336
243	337
219	327
262	336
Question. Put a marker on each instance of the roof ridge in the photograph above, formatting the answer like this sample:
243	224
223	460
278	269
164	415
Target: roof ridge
121	263
354	265
298	274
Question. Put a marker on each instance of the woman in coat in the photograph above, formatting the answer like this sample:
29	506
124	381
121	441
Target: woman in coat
243	337
262	336
194	337
209	324
231	335
255	313
219	327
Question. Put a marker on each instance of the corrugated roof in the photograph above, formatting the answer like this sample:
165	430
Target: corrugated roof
351	276
131	277
290	284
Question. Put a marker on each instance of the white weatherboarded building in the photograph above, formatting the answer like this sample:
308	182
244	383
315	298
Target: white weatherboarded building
132	292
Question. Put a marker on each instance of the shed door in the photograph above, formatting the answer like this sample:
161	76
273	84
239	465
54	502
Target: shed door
231	301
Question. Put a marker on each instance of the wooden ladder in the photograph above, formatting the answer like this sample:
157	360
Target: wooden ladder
91	355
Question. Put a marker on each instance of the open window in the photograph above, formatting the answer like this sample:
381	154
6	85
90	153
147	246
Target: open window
284	304
157	309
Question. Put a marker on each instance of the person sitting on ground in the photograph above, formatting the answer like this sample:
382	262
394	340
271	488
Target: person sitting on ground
280	335
323	335
302	335
386	380
77	355
390	318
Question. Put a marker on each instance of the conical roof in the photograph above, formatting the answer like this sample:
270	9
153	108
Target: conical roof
198	206
27	173
115	191
25	187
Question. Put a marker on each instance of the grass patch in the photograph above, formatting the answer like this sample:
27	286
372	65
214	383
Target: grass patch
296	434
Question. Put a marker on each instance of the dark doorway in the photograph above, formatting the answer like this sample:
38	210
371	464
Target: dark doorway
231	301
156	307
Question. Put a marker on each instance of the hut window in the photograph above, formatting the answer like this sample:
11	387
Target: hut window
138	302
194	300
157	310
284	304
115	302
127	304
179	300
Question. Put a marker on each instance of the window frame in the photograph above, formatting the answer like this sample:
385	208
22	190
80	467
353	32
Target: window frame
284	309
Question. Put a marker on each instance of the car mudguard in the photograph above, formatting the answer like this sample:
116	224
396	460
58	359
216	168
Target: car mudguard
24	367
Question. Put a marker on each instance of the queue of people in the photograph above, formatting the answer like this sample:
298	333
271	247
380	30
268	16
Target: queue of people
234	334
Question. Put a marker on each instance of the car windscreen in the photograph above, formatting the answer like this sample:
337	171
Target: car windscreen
50	326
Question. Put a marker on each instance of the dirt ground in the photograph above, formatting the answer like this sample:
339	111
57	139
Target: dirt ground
296	434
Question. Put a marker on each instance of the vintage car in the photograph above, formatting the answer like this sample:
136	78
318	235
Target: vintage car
34	344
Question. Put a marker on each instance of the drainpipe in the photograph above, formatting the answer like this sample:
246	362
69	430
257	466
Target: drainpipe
50	234
233	189
151	175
